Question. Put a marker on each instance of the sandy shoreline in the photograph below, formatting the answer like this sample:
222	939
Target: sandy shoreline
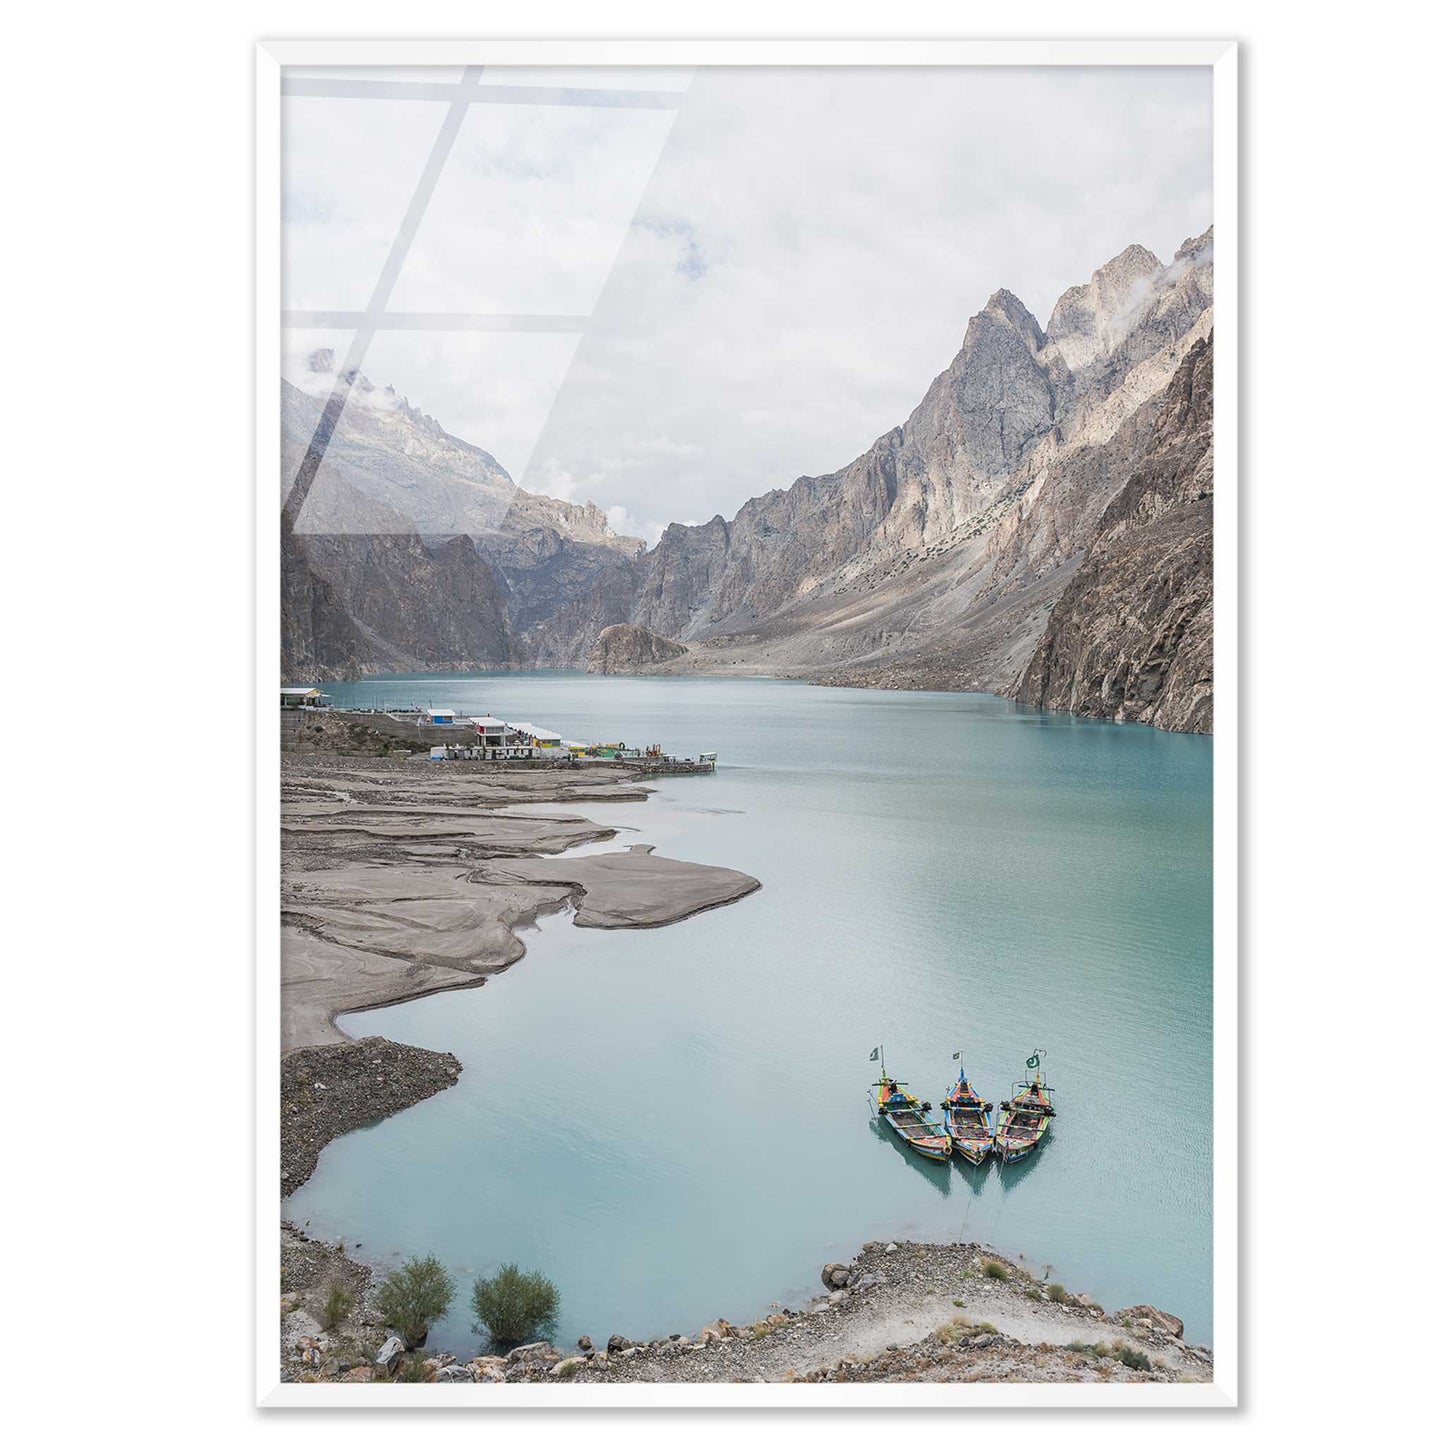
401	878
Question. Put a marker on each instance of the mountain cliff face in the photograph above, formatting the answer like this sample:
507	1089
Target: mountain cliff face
914	487
936	558
1040	527
1132	635
415	550
625	648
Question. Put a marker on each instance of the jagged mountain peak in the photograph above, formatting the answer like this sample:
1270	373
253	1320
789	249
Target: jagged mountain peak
1004	305
1128	266
393	467
1087	320
365	396
934	556
1197	248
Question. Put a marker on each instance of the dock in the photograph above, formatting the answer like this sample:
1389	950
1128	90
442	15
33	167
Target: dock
662	766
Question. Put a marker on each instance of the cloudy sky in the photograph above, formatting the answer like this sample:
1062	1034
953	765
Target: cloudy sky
745	281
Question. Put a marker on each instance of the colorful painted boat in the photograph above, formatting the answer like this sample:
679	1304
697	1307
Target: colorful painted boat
966	1120
909	1119
1023	1121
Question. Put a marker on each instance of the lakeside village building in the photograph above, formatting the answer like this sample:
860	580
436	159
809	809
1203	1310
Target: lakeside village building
495	740
304	697
486	739
498	741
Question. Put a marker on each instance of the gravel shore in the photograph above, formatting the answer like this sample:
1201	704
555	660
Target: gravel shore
330	1089
900	1311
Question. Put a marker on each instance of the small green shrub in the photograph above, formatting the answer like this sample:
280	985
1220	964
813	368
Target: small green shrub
414	1298
958	1304
960	1327
339	1301
1034	1293
1058	1294
515	1308
996	1269
1134	1359
567	1369
1116	1350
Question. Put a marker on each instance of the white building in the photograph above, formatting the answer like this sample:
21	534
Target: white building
303	697
542	737
500	741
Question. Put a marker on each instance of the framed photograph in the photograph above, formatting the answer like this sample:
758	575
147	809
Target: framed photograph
748	564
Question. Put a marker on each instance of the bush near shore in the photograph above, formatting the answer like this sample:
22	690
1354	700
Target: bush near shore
514	1307
414	1298
884	1282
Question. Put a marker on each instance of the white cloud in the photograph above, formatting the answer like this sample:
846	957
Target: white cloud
531	209
348	171
812	246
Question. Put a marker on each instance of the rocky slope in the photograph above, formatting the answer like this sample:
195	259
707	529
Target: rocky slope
936	558
625	648
415	550
331	1089
1132	636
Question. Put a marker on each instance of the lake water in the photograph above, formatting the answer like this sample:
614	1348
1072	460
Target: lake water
674	1124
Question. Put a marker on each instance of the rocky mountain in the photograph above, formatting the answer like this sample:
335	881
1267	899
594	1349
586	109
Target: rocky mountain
936	558
415	550
1039	526
1132	635
625	648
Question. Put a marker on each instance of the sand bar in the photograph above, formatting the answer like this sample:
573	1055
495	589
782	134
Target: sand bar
402	877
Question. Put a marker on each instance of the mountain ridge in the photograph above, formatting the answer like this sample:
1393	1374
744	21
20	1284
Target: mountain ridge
935	558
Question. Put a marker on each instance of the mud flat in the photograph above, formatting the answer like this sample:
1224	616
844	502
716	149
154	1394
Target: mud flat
402	877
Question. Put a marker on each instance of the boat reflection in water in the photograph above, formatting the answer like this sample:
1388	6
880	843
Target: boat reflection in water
941	1179
1016	1174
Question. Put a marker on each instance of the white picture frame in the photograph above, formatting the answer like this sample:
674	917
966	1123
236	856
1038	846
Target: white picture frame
1222	57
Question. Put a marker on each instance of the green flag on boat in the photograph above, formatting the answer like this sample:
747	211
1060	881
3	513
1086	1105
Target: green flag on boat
959	1052
873	1057
1033	1061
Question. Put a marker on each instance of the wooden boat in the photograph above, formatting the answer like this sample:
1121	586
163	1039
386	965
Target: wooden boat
1024	1120
966	1120
908	1118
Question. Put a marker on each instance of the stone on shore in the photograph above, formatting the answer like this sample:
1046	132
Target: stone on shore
1157	1319
388	1357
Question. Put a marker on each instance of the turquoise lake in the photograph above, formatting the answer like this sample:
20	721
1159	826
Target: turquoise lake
674	1124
